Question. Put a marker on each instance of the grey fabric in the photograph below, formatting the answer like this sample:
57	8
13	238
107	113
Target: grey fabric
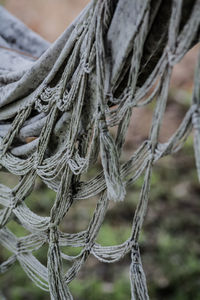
19	37
66	99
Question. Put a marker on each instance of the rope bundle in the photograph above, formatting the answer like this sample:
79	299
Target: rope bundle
72	95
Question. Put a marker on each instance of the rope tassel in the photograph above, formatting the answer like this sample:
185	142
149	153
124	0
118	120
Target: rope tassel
58	288
110	161
137	277
196	117
196	125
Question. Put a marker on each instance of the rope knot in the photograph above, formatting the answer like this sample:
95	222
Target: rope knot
135	254
53	233
196	119
170	56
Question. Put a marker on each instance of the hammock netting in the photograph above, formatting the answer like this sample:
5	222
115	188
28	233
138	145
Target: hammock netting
65	97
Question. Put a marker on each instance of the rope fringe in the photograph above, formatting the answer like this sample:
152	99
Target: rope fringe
65	104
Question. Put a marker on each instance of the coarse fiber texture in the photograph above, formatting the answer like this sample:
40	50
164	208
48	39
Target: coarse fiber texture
57	105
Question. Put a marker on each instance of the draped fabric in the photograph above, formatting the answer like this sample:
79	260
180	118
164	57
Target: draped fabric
65	98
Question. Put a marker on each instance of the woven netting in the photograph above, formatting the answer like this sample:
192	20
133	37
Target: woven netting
68	99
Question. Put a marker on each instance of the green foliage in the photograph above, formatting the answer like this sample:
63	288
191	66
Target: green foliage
95	289
109	235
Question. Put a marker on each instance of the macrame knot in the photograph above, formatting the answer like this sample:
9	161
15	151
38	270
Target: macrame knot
77	164
1	151
47	94
86	67
13	200
152	151
35	164
196	119
170	56
102	125
63	100
52	225
53	233
44	100
159	150
13	204
18	246
88	246
135	254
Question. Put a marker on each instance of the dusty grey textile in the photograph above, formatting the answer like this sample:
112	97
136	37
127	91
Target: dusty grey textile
66	96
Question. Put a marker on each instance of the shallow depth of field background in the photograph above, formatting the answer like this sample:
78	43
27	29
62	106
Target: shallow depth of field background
170	240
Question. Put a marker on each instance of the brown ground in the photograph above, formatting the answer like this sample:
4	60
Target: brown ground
49	18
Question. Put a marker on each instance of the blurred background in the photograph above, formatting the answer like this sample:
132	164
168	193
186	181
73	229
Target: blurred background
170	239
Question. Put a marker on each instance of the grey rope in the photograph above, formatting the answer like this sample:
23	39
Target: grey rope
66	100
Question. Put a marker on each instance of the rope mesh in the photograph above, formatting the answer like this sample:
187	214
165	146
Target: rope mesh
72	105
